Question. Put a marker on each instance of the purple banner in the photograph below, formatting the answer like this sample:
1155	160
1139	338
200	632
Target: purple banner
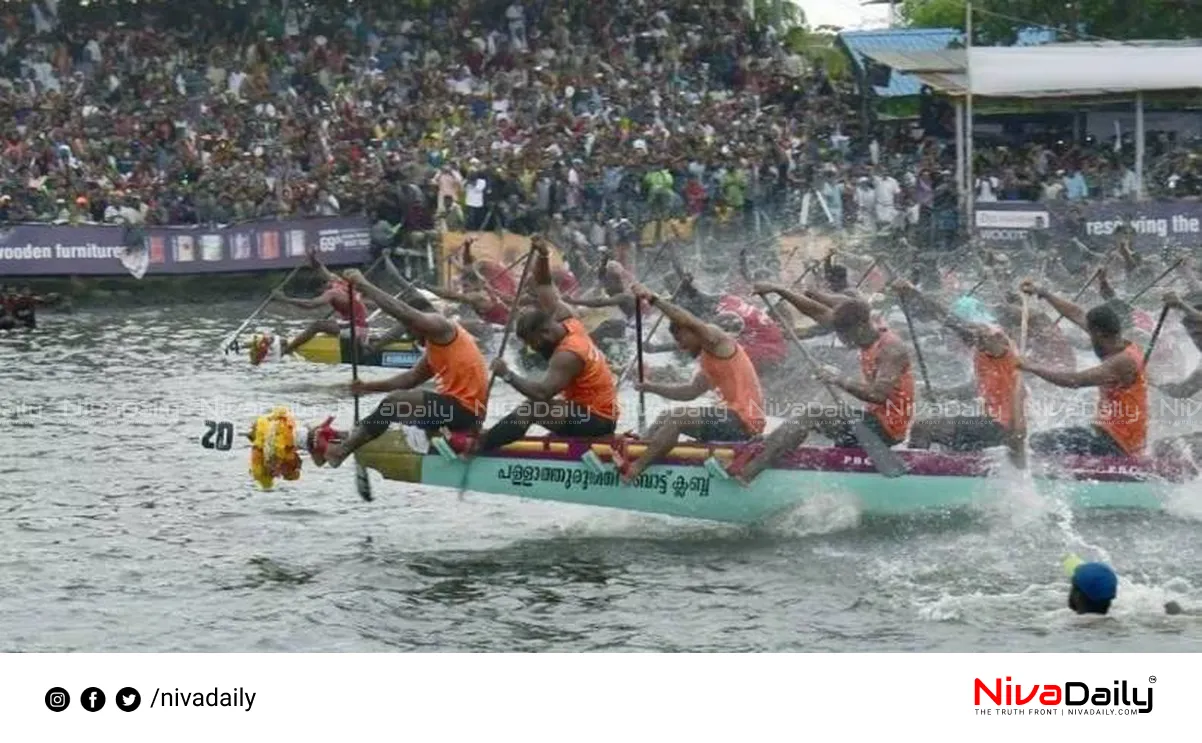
1156	223
100	250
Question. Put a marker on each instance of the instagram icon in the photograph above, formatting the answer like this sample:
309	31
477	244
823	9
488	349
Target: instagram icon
57	699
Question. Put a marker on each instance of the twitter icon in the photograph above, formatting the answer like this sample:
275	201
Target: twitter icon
128	699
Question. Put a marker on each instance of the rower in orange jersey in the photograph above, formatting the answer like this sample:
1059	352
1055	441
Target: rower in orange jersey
1120	428
997	385
576	369
452	359
887	388
725	368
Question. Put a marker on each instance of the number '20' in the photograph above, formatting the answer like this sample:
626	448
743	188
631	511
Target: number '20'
219	436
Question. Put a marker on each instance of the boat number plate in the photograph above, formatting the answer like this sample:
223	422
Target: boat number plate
399	358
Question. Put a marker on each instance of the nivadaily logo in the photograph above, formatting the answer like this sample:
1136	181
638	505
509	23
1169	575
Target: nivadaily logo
1072	698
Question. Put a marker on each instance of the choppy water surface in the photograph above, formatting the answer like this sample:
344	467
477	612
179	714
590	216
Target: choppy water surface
121	534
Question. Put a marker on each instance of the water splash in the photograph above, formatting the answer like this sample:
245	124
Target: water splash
823	513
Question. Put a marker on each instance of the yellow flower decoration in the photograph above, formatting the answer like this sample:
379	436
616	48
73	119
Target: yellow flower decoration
273	450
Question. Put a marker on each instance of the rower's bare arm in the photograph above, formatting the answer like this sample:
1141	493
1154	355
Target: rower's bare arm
694	389
891	365
307	304
968	332
544	287
1104	287
712	337
1188	387
658	347
406	380
1072	312
816	311
1119	369
829	299
447	294
427	324
614	301
561	370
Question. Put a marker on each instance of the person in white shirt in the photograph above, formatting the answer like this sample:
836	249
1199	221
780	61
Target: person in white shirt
865	204
450	186
516	15
886	190
986	188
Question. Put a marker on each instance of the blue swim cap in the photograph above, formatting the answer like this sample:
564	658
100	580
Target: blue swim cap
1096	581
971	309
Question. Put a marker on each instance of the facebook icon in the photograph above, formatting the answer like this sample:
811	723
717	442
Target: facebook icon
92	699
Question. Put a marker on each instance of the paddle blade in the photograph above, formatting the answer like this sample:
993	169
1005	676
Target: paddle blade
362	482
883	458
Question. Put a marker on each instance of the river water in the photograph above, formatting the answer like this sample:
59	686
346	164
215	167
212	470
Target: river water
120	533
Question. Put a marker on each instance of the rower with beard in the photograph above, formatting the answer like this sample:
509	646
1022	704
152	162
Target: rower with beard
576	368
724	368
998	381
1120	428
887	388
451	358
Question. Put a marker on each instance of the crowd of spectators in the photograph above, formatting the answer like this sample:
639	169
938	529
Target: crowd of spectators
523	114
502	111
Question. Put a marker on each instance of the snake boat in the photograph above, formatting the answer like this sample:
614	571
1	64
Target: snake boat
326	349
682	485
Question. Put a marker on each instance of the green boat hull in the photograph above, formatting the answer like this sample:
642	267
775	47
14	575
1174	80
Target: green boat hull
690	490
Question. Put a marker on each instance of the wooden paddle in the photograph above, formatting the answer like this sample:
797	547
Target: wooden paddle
1155	281
362	482
884	459
231	341
509	326
638	340
1080	292
1018	419
1164	313
922	364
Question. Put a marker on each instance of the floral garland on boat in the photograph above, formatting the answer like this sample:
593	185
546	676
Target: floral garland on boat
274	448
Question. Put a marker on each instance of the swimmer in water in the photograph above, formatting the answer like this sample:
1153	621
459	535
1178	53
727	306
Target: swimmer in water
1093	586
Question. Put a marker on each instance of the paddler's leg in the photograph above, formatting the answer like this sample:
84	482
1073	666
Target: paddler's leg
396	334
787	437
329	327
509	429
420	408
959	433
709	423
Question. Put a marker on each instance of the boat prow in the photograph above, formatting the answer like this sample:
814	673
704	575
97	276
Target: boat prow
682	485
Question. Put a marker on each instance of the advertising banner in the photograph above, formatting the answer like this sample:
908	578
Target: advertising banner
102	250
1157	224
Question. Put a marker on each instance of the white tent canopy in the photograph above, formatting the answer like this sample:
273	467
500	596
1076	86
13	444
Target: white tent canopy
1083	69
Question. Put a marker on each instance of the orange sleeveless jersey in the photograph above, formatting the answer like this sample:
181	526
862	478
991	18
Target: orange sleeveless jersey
460	370
997	382
1123	411
594	387
738	385
897	411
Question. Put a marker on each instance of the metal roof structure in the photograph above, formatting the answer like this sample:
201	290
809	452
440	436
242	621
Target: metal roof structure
863	45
